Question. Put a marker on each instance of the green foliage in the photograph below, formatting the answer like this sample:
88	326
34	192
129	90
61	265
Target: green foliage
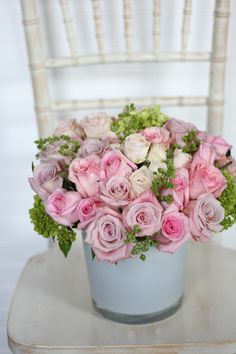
45	226
69	146
131	121
228	201
42	143
191	142
140	244
163	178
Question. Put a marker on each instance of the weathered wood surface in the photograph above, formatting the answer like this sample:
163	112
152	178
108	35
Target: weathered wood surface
51	310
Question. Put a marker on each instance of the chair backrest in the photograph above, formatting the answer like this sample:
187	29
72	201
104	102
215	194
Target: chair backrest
39	64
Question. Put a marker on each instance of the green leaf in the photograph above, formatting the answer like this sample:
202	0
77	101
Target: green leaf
65	247
228	201
32	166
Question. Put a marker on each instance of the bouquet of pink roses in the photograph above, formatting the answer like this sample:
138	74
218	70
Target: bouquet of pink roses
132	182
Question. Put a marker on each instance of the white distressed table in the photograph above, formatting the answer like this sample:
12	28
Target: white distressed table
51	311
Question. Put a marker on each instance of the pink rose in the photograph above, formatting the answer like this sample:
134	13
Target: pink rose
175	230
178	128
91	146
205	178
180	191
201	135
181	188
115	163
116	191
206	152
220	145
157	135
145	211
181	159
205	214
96	125
62	206
71	128
106	235
85	174
87	210
45	179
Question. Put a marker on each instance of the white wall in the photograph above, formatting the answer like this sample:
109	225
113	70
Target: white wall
18	129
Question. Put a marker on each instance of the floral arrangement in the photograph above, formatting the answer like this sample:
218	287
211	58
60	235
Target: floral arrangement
132	182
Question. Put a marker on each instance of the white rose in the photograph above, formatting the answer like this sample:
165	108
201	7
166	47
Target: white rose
96	125
157	164
181	159
141	180
157	153
136	148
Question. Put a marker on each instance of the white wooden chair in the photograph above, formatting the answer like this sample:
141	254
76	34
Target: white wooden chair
39	64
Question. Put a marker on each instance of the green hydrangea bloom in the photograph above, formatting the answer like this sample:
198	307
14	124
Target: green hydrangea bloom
228	201
131	121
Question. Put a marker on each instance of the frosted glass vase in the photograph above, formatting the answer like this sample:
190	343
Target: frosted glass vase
135	291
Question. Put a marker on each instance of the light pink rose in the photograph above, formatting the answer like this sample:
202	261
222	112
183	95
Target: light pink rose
87	211
51	153
205	178
181	188
85	174
45	179
71	128
106	235
175	230
110	138
116	191
206	152
201	135
178	128
96	125
157	135
62	206
220	145
91	146
205	215
145	211
181	159
115	163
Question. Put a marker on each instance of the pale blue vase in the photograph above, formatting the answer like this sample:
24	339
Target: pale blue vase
135	291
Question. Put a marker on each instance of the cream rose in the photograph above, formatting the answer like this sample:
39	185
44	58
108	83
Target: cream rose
141	180
181	159
96	125
154	166
157	153
136	148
